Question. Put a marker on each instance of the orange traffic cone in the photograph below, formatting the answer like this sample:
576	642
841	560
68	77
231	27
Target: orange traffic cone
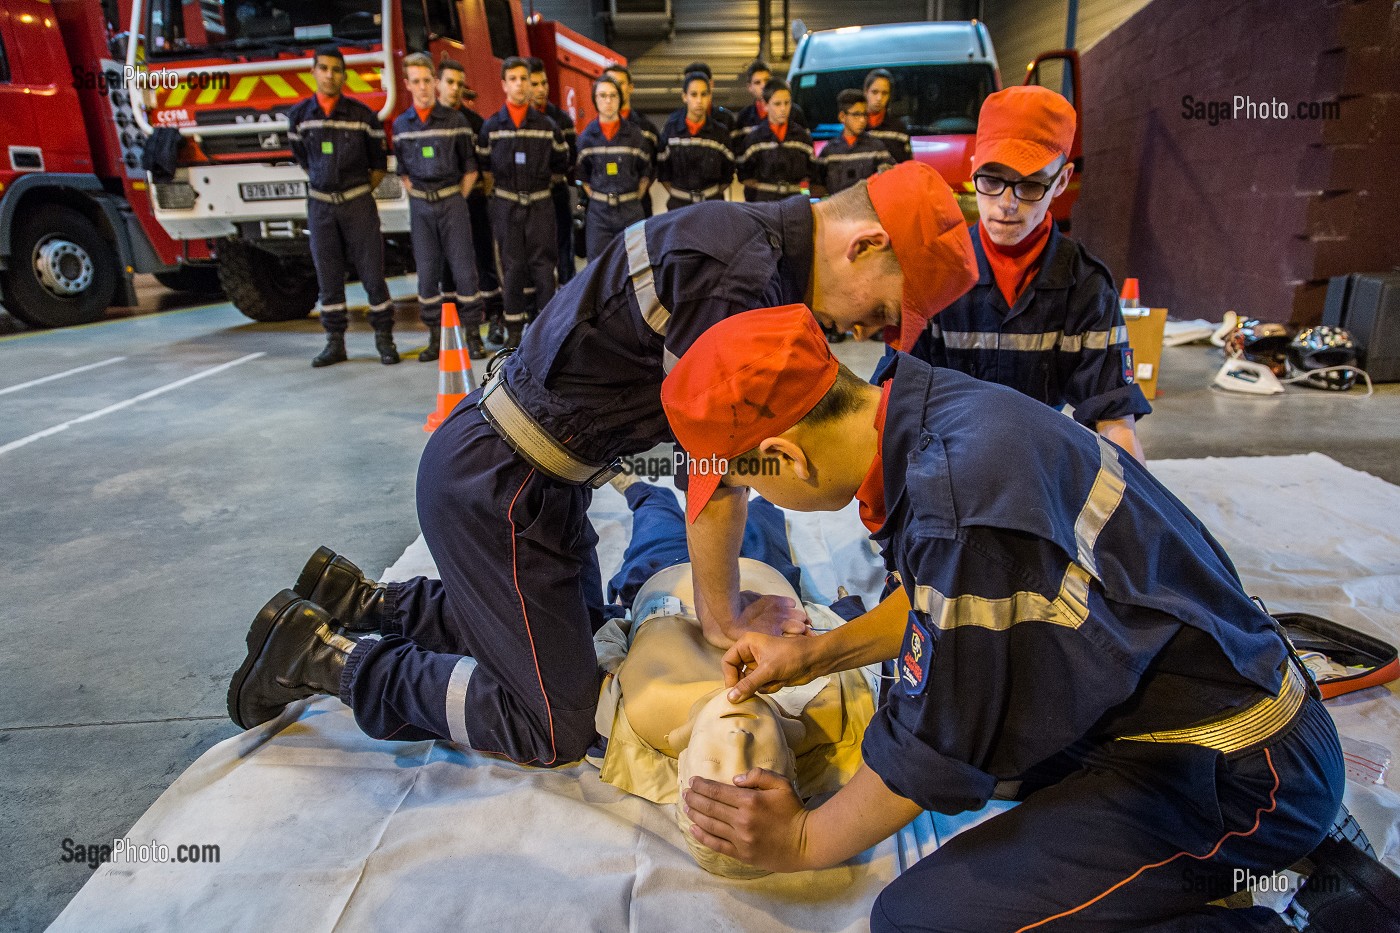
455	377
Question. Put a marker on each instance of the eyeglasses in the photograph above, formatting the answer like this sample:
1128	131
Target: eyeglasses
1025	189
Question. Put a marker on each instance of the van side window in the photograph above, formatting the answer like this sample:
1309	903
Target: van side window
500	22
442	19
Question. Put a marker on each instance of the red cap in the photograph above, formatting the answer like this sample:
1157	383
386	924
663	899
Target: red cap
749	377
1024	128
930	239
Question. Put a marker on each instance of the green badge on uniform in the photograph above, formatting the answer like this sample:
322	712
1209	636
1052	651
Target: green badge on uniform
612	168
327	147
427	152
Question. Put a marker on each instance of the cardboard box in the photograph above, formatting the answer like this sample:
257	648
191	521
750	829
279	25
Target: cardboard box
1145	329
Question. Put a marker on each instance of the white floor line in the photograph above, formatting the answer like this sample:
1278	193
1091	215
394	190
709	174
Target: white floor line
66	372
48	432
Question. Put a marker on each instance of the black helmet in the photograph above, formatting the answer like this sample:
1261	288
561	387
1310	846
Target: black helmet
1318	348
1260	342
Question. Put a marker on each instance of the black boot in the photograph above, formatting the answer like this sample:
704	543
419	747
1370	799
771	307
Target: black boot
496	333
333	353
475	348
292	654
337	586
514	331
430	352
384	345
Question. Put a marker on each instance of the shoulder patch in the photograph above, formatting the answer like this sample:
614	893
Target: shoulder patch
915	657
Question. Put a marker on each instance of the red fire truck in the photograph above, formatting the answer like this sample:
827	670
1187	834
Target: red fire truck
84	85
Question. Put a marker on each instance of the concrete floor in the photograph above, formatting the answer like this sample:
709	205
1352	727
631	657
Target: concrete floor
137	545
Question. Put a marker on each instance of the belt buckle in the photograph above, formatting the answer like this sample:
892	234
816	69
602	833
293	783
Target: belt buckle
605	474
612	199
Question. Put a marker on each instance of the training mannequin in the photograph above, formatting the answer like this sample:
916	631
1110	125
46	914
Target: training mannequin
668	720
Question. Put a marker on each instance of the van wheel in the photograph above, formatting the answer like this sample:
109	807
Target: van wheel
62	271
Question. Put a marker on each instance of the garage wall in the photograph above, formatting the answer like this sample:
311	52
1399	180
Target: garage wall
1250	214
1022	29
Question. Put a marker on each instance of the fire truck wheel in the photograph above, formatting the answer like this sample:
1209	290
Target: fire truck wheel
266	287
195	279
62	271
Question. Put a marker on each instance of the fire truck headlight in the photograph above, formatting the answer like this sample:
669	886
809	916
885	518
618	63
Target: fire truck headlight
390	189
177	196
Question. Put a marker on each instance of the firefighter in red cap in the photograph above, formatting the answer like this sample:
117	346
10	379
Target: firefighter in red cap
498	654
1044	316
1065	633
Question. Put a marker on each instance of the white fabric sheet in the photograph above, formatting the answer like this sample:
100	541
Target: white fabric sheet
322	829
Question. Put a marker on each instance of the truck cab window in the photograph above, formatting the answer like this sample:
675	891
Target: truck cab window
500	22
442	19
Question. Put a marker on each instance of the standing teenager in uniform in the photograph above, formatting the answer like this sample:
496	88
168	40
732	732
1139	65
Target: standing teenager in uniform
562	191
340	143
717	112
1044	316
774	159
614	167
521	150
1066	634
695	162
855	154
498	654
454	93
436	154
892	131
623	77
756	75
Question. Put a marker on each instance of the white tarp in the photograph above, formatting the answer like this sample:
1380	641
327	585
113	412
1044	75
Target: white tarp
323	829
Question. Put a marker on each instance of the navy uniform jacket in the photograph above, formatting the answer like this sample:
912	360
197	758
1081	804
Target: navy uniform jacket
648	128
842	164
475	121
894	133
778	167
749	116
522	159
590	368
617	165
560	118
694	163
1059	593
340	150
434	154
1063	342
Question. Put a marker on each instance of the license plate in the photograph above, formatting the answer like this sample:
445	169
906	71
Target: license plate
272	190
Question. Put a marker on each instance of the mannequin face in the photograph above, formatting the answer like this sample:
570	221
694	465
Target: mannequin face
727	739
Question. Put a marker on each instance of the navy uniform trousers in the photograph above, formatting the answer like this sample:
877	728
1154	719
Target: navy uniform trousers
488	280
441	232
526	241
348	231
1139	837
606	221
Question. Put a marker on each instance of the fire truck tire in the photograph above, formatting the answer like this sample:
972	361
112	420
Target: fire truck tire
195	280
62	271
266	287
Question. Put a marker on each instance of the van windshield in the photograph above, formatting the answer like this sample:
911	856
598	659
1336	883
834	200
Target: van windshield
180	29
937	100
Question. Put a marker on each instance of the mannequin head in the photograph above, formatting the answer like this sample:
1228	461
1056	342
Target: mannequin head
727	739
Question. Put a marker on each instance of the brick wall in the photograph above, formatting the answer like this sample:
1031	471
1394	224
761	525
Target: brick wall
1251	214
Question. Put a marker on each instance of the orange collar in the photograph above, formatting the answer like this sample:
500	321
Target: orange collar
762	109
609	127
625	112
779	130
517	114
1015	267
695	128
327	103
875	119
850	140
423	115
871	493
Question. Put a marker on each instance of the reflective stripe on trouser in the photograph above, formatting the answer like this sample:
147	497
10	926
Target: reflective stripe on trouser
606	222
345	236
525	240
442	239
563	200
1153	833
520	594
